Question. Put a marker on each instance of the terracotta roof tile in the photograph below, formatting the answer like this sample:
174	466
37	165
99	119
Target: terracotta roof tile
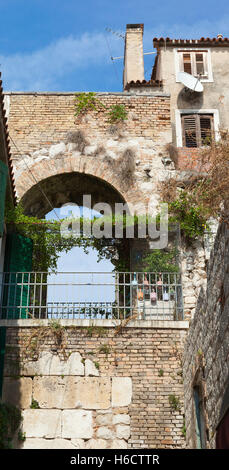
143	83
219	41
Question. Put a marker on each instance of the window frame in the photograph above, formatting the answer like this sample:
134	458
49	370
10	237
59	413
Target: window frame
198	130
179	130
199	417
206	59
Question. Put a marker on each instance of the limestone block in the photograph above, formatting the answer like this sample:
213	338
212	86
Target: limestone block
90	369
17	392
72	392
190	300
33	443
118	444
41	152
121	391
104	433
71	147
78	443
77	424
121	419
50	364
42	423
104	419
57	149
90	149
96	444
122	431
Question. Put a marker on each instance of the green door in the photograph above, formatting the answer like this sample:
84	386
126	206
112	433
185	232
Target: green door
17	268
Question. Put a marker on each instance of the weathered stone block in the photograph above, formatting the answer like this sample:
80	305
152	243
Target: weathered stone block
118	444
90	369
17	392
72	392
121	419
104	419
122	431
77	424
57	149
96	444
104	433
50	364
42	423
33	443
121	391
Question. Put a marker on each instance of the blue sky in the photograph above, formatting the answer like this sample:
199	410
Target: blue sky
53	45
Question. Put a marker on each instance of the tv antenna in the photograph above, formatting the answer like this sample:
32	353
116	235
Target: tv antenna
115	33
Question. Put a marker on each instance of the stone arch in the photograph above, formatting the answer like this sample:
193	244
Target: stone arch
45	168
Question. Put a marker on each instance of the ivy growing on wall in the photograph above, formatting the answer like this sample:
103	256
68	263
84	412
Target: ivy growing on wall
86	102
10	420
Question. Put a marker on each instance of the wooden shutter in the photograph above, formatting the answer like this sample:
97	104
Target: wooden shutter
18	259
187	66
3	180
197	129
206	129
189	130
199	63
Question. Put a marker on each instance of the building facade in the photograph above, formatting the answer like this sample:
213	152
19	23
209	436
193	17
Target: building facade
59	156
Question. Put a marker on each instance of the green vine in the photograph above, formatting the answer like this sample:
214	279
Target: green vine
10	420
85	102
117	113
191	217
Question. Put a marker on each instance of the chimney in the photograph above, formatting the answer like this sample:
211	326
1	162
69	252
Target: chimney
133	55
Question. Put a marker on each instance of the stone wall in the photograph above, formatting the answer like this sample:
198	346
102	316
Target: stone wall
206	355
40	125
97	386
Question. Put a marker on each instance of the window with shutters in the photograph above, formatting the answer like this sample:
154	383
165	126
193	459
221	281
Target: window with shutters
194	62
197	129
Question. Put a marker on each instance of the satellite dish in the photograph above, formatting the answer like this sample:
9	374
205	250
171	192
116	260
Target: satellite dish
190	82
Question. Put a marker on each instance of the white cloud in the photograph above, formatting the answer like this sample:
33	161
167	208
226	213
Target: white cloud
42	70
45	69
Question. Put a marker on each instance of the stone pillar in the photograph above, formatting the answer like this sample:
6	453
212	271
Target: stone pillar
133	55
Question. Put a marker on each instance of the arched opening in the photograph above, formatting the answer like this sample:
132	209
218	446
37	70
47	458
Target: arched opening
122	292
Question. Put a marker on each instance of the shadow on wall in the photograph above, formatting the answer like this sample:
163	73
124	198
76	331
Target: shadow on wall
188	99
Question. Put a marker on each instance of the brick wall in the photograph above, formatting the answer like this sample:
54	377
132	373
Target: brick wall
138	369
206	355
189	159
39	125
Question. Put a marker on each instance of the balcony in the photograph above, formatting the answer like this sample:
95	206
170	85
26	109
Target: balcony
91	295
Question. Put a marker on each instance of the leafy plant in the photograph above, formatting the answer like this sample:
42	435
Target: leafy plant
85	102
174	403
105	349
21	436
117	113
205	194
161	261
192	217
34	404
10	420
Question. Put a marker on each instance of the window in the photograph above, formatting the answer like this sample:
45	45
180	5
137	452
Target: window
200	432
197	129
194	62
